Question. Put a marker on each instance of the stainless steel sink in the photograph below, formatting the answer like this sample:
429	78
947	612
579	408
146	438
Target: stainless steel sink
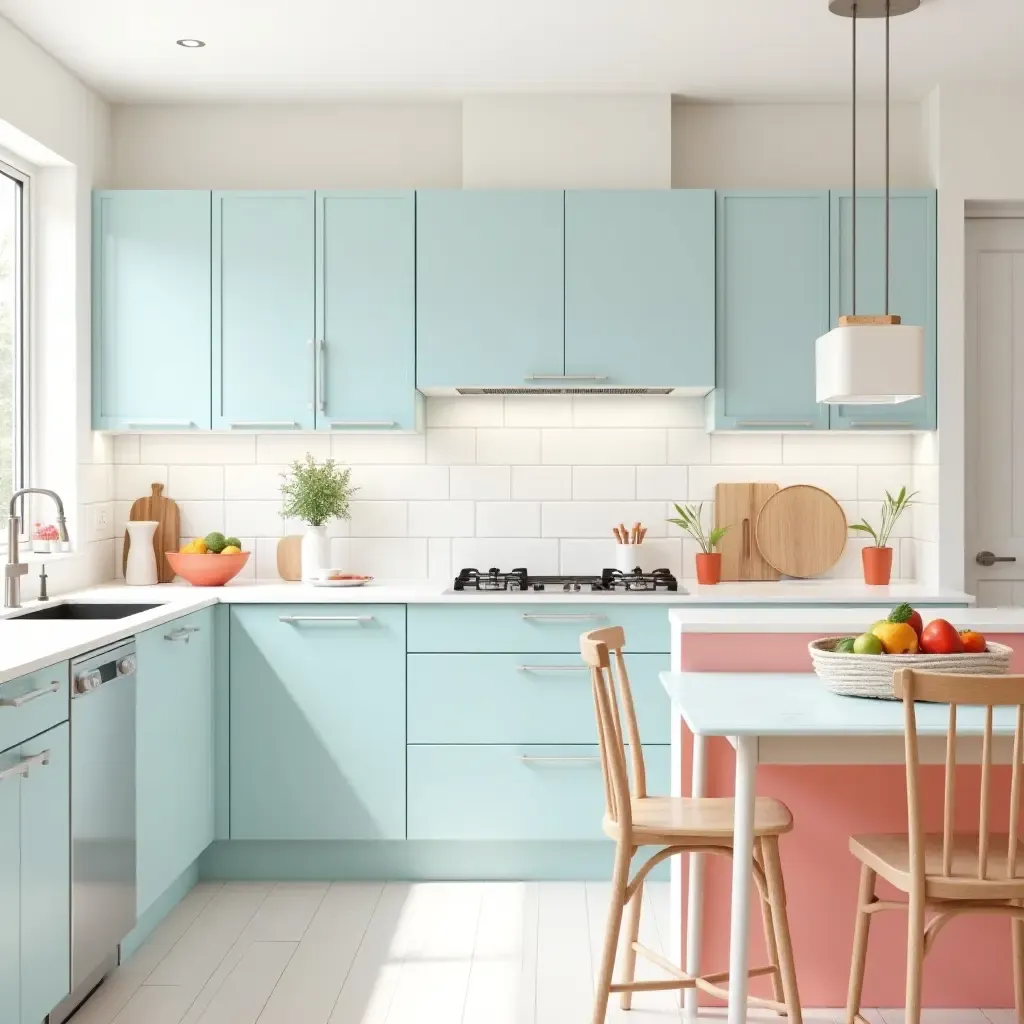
79	610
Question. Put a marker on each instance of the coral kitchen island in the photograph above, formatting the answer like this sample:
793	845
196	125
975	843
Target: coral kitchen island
837	762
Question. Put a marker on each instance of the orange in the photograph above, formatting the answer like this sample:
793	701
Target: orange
896	637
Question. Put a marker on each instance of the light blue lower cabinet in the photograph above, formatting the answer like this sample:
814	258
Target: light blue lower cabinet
513	792
10	887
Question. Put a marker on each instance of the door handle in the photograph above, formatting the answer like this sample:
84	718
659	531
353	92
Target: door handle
986	558
167	424
36	761
262	424
181	633
19	769
555	617
324	618
553	759
321	359
552	668
362	424
25	698
565	376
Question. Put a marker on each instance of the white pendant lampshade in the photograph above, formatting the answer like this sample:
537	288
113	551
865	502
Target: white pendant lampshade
869	363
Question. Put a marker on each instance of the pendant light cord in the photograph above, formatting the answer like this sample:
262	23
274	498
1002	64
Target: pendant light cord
853	163
887	157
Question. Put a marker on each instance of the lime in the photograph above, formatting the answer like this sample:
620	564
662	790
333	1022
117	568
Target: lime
867	643
215	542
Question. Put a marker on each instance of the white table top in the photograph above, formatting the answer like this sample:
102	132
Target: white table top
797	704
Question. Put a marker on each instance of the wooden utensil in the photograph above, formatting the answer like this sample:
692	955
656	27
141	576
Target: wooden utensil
737	506
289	558
801	531
162	510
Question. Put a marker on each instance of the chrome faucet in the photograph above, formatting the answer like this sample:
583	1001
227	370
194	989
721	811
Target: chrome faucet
14	569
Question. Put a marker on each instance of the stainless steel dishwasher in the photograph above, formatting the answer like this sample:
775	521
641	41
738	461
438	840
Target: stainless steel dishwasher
102	814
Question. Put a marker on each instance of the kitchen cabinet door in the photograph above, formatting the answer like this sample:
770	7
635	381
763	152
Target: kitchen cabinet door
318	722
174	750
263	310
489	288
366	310
772	292
151	310
912	294
45	874
640	287
10	887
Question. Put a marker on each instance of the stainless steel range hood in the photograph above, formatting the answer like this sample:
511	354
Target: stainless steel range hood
570	384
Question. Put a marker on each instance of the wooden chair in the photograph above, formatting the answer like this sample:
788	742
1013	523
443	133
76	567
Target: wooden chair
945	875
678	825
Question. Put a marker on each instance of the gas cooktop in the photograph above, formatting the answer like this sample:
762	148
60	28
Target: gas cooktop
610	580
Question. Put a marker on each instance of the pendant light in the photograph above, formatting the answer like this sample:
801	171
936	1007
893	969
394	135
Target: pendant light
875	359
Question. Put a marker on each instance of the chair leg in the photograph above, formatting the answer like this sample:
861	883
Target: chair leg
1017	927
629	936
770	945
915	956
865	895
620	877
777	898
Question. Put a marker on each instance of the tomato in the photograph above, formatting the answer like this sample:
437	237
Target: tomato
940	637
916	623
974	643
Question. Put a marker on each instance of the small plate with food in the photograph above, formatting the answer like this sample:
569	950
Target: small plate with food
342	579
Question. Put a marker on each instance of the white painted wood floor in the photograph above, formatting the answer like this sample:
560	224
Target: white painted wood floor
397	953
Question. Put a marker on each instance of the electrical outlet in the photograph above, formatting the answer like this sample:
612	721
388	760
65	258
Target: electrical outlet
101	519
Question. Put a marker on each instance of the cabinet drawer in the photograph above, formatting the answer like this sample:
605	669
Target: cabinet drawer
513	792
512	698
531	628
33	703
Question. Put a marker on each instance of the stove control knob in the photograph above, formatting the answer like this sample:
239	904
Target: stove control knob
87	681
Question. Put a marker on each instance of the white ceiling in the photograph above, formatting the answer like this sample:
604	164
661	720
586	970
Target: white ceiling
326	49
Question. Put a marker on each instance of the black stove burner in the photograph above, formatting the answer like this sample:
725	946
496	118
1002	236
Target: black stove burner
609	580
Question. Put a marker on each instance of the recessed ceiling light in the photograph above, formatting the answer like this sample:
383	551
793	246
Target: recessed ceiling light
190	44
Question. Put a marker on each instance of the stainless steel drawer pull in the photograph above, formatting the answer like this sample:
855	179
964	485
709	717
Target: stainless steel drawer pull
362	424
154	424
19	769
552	668
36	761
890	425
321	374
181	633
566	376
553	759
555	617
778	424
26	698
262	424
325	618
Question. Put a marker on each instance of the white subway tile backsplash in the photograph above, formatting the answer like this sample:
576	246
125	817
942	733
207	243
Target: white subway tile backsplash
839	481
465	411
596	518
872	512
377	449
481	483
603	483
439	559
661	483
253	519
378	519
284	448
852	449
395	483
746	449
197	449
388	558
131	482
874	481
538	411
451	446
603	446
442	518
539	556
688	447
508	446
126	448
254	483
264	552
508	519
198	518
926	522
198	483
926	483
95	482
637	411
541	483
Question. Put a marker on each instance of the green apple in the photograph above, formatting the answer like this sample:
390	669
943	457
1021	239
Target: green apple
867	643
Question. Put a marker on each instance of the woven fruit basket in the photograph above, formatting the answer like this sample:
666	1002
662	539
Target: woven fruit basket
870	675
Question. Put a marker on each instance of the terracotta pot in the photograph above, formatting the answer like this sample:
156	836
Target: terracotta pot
877	564
709	568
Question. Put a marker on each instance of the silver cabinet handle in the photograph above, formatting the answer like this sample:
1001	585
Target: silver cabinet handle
262	424
170	424
779	424
362	424
26	698
325	618
321	373
555	617
890	425
566	376
36	761
553	759
552	668
987	558
181	633
16	770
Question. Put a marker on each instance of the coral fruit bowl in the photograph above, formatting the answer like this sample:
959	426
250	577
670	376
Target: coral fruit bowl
207	570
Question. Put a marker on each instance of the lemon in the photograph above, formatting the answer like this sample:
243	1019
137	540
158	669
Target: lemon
231	550
199	545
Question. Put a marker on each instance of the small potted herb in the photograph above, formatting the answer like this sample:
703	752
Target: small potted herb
877	558
316	492
709	561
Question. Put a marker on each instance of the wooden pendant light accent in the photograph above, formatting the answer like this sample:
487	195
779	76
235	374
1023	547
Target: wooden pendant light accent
882	320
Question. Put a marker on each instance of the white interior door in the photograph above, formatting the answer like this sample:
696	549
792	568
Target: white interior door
995	409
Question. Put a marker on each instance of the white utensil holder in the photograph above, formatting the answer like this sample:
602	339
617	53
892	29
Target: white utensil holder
629	557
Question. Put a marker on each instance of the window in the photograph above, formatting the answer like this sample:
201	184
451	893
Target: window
13	264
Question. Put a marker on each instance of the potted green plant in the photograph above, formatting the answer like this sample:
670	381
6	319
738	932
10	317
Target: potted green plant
316	492
877	558
709	561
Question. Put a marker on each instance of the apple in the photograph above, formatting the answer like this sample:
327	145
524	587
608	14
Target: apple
941	637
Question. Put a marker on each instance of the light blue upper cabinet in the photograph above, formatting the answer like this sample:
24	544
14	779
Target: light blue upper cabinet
318	722
640	287
912	288
366	310
151	310
45	874
489	288
10	887
174	713
263	310
772	305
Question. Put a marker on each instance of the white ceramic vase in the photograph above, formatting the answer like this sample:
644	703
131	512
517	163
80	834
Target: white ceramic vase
315	553
140	569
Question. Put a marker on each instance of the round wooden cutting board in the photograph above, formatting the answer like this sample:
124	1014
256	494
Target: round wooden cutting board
801	531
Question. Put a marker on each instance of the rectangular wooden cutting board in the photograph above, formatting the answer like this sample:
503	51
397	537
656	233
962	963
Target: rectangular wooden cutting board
737	506
156	508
